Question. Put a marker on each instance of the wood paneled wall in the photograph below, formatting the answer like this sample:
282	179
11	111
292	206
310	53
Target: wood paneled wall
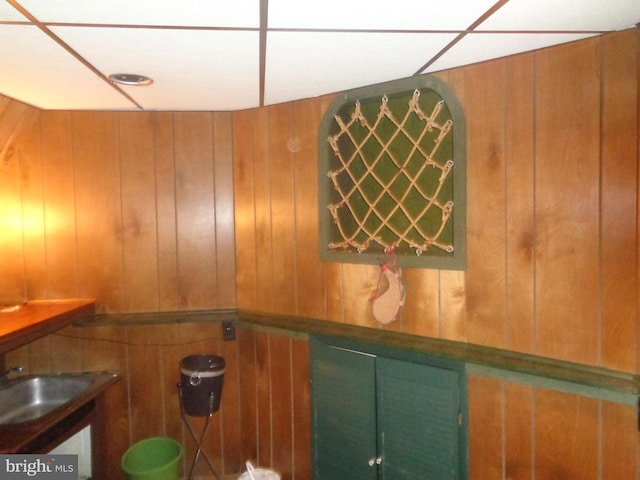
132	209
138	211
552	153
16	120
552	142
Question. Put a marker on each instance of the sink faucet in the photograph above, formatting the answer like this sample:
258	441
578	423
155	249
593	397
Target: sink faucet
5	374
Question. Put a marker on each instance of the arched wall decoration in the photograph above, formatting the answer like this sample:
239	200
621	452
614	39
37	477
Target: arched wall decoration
392	175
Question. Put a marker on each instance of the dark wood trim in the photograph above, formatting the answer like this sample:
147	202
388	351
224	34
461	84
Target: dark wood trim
484	361
483	358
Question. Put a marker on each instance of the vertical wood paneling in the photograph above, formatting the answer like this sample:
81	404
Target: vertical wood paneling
301	393
16	118
244	210
567	202
486	416
281	405
309	273
420	313
453	305
264	403
619	441
520	227
566	436
12	282
231	436
33	219
359	283
263	266
143	356
169	371
223	204
196	250
248	394
518	432
453	298
139	216
485	110
98	210
165	185
282	209
619	187
59	190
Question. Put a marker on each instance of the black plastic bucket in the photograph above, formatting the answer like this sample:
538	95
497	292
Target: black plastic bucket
201	378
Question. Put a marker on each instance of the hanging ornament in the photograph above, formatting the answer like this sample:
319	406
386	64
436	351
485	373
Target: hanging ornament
387	303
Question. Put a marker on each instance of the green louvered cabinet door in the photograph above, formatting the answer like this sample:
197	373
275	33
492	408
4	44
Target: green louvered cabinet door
382	418
344	413
417	411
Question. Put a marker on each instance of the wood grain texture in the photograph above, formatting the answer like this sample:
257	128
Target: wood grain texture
518	432
12	281
61	276
98	213
566	436
520	203
309	272
486	203
16	119
244	209
138	199
553	268
567	201
195	209
224	212
619	203
486	416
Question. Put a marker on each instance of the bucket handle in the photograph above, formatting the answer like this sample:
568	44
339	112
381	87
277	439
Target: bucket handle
250	469
195	379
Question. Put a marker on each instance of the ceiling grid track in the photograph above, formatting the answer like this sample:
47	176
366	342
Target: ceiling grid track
209	56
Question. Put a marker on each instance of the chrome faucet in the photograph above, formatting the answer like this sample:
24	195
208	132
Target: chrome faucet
5	374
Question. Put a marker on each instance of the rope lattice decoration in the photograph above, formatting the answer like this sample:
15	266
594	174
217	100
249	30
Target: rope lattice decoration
392	175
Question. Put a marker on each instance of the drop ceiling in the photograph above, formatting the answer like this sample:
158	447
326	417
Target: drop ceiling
218	56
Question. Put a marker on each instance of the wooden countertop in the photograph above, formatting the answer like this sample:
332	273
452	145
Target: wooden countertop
36	319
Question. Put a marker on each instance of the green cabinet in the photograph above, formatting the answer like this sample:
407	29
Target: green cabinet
384	416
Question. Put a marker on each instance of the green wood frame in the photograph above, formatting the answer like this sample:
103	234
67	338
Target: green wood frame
379	183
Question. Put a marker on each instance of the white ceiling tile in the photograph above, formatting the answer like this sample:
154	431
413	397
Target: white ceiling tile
212	13
10	14
52	78
376	14
191	69
565	15
302	65
210	59
479	47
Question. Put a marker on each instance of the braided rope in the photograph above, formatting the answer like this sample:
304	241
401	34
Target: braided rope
352	186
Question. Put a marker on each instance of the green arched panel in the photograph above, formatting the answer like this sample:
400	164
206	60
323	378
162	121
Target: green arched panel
392	175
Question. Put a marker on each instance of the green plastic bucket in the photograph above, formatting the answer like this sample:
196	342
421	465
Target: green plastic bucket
153	459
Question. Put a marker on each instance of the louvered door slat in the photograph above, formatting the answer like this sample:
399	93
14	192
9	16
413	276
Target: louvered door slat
343	405
418	408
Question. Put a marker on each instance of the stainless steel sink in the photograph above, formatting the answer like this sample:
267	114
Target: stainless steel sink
32	397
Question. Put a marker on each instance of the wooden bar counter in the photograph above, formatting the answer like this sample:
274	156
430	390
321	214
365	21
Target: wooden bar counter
35	319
